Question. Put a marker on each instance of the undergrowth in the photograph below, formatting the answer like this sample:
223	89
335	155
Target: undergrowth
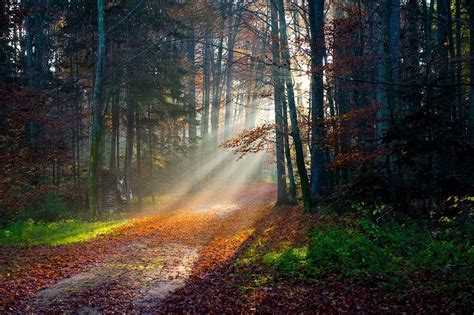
363	248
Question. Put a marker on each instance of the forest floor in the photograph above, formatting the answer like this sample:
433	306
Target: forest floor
137	266
203	255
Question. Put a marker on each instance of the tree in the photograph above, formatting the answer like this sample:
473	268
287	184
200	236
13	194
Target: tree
318	163
96	131
295	130
278	88
471	72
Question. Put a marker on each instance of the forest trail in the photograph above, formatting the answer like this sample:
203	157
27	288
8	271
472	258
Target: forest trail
137	267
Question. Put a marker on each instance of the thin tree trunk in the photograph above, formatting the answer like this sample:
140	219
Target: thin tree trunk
289	162
217	88
192	88
129	146
230	73
138	184
459	92
206	86
295	130
115	130
96	137
428	17
318	165
151	154
471	73
282	195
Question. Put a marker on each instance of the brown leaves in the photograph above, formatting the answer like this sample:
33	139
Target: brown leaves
251	140
26	271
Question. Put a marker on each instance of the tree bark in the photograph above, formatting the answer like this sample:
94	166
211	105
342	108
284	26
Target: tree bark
318	165
217	88
129	146
206	85
282	195
229	75
96	132
295	130
151	157
114	143
191	88
471	72
289	163
138	184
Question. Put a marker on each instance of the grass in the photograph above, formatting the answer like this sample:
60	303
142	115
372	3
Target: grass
31	233
367	249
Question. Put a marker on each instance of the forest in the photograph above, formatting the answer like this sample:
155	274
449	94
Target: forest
236	156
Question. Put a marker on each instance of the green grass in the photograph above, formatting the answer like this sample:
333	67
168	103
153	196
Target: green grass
366	249
31	233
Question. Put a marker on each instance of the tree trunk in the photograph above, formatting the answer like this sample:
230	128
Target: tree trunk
115	131
138	184
217	88
471	73
151	154
318	165
282	195
394	51
295	130
289	163
96	132
129	146
459	90
206	86
229	75
191	88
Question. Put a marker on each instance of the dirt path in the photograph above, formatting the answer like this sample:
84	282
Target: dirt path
135	269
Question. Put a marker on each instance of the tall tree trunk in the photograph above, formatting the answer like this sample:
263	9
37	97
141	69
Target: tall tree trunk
138	182
318	164
115	130
471	72
282	195
459	90
251	117
383	112
394	51
289	163
217	88
206	85
413	55
96	132
295	130
129	146
151	154
442	37
229	74
428	17
192	88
